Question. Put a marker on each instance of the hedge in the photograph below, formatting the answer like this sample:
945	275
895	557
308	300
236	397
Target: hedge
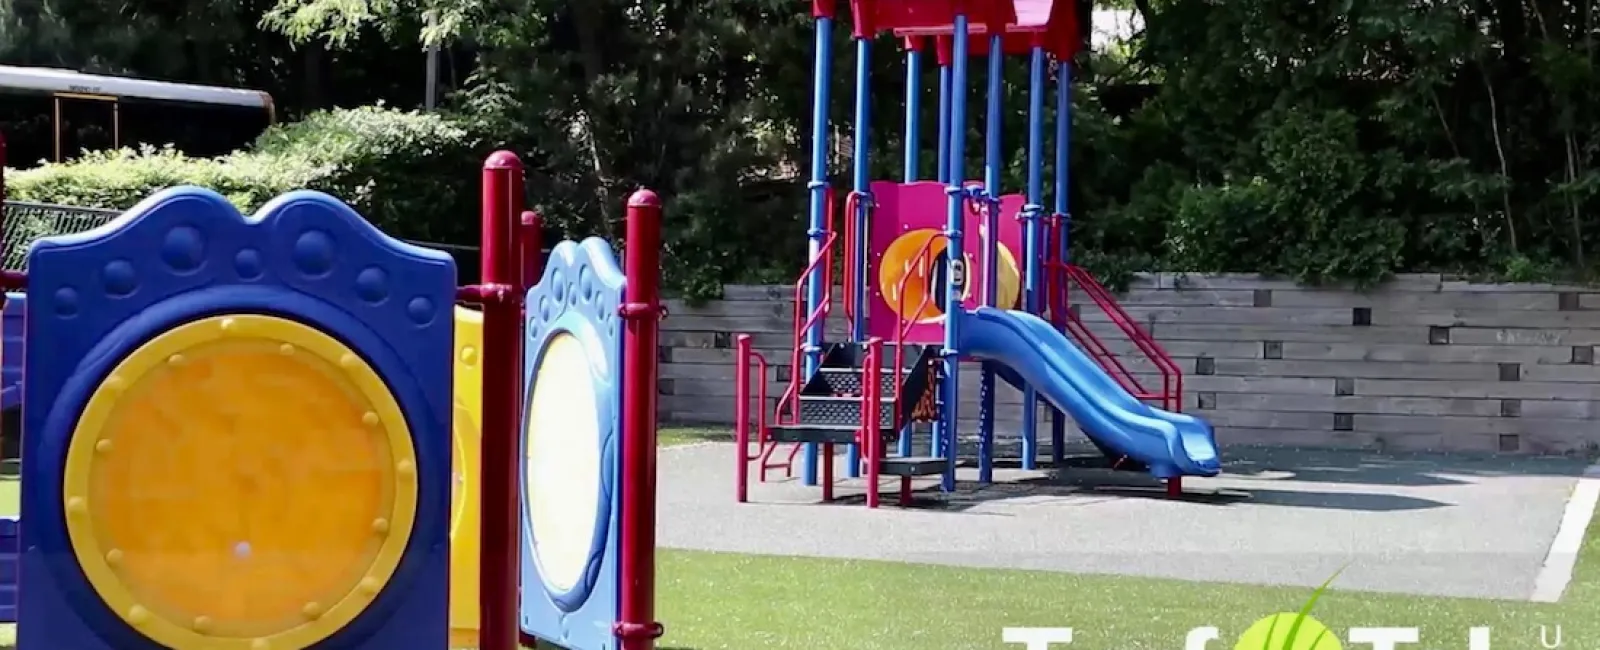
412	174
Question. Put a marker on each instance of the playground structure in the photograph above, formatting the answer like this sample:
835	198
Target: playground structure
917	301
238	432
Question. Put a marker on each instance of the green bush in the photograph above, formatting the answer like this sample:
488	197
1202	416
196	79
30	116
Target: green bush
412	174
1314	212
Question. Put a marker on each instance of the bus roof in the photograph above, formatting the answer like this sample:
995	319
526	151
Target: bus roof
58	81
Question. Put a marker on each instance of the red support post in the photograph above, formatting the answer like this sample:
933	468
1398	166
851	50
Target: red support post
530	241
872	429
641	308
502	389
741	417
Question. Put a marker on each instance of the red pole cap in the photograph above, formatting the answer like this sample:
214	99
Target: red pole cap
502	159
644	198
861	12
824	8
944	48
914	43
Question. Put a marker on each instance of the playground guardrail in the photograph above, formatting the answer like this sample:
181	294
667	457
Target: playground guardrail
1063	275
903	329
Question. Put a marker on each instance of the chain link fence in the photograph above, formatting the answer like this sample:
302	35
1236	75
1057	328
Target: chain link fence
26	222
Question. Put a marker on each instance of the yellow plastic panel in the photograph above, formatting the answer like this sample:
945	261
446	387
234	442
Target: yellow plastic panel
241	482
467	431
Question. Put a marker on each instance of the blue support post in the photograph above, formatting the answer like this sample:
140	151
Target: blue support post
1032	252
858	258
991	247
943	172
956	271
936	442
817	228
913	111
913	142
1058	424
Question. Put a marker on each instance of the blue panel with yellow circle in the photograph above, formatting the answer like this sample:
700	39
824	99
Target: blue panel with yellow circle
571	461
237	432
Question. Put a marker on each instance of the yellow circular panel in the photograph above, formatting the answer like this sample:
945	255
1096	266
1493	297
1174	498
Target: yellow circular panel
900	259
1008	280
240	482
562	440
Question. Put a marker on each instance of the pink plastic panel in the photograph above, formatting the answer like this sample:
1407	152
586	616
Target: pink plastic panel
907	218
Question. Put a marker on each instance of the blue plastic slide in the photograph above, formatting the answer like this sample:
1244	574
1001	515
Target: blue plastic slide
1171	444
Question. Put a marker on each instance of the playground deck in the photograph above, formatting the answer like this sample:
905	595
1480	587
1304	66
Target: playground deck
1421	524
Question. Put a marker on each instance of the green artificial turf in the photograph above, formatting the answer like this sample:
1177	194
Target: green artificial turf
745	602
674	436
715	600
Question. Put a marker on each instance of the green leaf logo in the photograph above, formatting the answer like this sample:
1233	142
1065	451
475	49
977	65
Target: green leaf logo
1297	631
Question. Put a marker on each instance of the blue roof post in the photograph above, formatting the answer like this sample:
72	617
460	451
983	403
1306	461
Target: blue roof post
1058	424
913	138
1032	252
857	258
913	145
990	237
817	228
956	272
942	50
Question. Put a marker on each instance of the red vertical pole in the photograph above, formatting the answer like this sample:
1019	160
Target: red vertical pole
741	418
872	429
637	628
530	239
502	324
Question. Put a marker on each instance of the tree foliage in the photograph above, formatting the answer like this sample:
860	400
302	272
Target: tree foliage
1324	140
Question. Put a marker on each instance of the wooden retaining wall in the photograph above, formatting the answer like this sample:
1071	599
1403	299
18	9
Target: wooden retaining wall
1423	363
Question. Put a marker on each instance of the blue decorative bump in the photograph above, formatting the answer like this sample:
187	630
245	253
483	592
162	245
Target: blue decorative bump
421	310
313	253
66	302
247	263
183	249
372	285
119	278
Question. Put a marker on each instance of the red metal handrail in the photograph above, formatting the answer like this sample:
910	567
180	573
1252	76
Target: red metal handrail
801	325
871	438
1073	325
1171	374
790	398
903	328
1063	274
852	202
741	415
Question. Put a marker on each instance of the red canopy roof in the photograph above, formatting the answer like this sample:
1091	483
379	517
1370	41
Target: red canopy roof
1051	24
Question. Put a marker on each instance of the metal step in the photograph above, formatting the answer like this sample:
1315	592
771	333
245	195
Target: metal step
842	411
820	433
847	381
912	466
852	354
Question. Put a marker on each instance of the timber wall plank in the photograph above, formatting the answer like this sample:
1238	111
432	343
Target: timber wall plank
1423	362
